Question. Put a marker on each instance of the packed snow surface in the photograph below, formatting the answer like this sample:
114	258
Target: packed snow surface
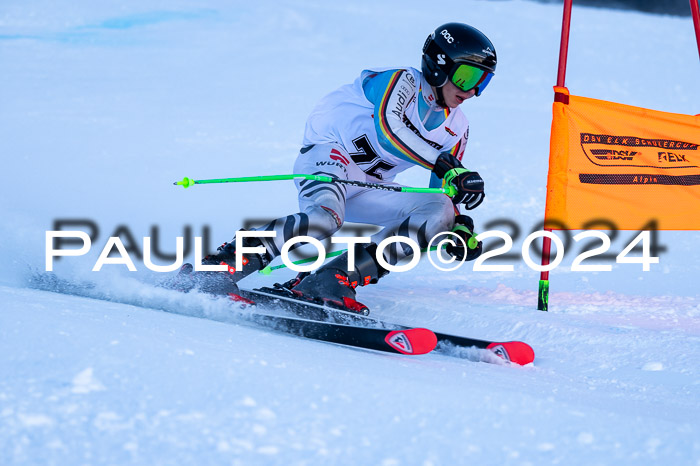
103	105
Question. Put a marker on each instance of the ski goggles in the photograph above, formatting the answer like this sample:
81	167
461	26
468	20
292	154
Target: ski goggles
467	77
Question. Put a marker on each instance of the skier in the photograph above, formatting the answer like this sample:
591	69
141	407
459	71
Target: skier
385	122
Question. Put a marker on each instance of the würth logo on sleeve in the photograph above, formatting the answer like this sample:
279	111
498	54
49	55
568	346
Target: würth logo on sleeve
336	155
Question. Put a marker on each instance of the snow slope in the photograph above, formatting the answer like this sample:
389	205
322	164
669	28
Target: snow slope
112	383
103	106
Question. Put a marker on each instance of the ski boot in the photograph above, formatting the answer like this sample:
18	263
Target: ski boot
222	283
334	285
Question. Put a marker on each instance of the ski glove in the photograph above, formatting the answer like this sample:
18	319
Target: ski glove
464	228
469	185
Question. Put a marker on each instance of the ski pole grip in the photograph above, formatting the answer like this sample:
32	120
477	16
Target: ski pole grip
472	242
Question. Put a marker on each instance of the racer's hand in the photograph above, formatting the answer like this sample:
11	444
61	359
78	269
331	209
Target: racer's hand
464	227
469	185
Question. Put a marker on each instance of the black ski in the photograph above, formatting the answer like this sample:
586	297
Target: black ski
409	341
320	322
280	297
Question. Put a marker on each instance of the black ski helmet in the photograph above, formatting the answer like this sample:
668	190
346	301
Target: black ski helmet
451	45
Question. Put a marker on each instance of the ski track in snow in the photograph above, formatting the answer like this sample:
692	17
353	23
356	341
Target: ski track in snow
105	105
266	397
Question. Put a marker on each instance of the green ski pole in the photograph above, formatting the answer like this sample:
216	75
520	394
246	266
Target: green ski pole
448	190
270	268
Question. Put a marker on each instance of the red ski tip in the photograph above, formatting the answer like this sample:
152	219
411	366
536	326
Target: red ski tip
514	351
412	340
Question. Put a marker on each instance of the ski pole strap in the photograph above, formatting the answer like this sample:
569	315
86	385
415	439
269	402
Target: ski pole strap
448	190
